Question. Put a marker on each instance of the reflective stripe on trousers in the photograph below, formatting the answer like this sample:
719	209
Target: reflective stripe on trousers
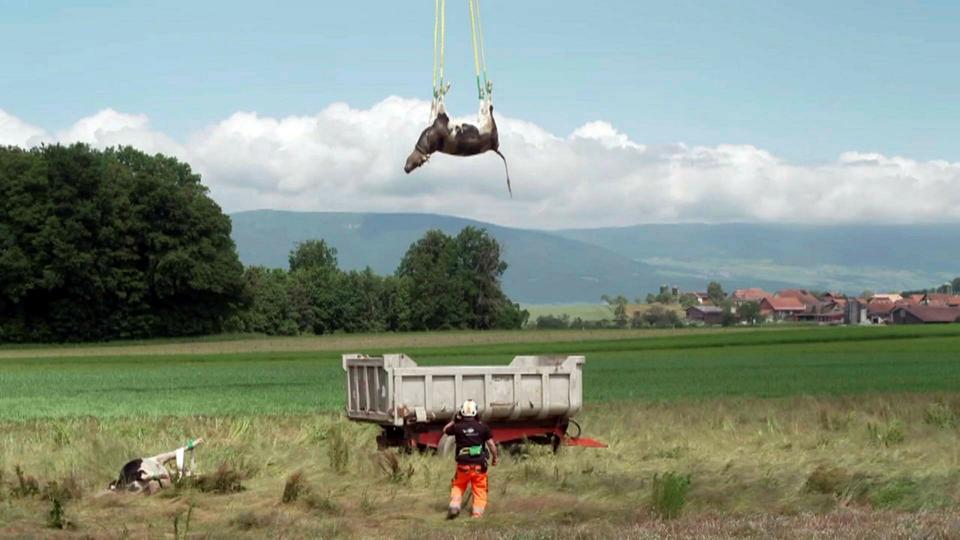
476	478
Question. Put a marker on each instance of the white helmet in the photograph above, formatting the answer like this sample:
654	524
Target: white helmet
468	409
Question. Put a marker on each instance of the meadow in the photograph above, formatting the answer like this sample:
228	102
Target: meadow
586	312
797	432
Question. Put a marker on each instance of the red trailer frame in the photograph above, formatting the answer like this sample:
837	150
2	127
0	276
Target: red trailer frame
418	436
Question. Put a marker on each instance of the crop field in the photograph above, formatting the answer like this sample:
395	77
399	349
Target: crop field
799	432
587	312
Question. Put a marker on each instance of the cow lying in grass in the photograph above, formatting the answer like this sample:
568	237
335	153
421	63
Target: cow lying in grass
150	474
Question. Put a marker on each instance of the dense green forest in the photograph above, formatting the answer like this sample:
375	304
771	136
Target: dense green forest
443	282
112	244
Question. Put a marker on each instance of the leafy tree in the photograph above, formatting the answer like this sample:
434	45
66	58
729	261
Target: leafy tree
512	317
729	317
552	322
749	312
110	244
715	293
955	284
395	303
435	302
688	300
455	283
666	298
315	299
358	299
477	270
618	305
270	311
661	317
313	254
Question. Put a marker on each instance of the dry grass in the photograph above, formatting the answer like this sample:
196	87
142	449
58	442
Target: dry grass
797	467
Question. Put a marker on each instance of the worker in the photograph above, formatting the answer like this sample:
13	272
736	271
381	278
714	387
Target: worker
474	445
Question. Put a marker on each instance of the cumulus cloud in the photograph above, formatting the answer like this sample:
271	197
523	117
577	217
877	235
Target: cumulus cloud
111	128
16	132
348	159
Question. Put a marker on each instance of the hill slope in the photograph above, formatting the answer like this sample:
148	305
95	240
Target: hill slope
543	267
842	257
580	265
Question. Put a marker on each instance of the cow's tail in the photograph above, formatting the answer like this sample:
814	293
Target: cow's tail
507	170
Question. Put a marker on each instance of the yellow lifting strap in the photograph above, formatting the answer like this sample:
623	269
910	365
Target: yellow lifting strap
484	87
439	45
479	56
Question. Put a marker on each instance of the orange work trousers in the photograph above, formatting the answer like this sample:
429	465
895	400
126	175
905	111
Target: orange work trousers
476	478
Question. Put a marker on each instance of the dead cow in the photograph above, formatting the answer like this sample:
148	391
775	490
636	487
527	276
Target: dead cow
151	474
458	139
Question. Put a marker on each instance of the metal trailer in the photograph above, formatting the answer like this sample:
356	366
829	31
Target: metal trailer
534	398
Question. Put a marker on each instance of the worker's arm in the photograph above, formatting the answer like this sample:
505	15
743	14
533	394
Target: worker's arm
448	429
492	447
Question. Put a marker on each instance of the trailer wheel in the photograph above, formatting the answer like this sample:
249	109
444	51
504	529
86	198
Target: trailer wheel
447	446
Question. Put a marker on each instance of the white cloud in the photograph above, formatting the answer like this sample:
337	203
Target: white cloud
16	132
111	128
345	159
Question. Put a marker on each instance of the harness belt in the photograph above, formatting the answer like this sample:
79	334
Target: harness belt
472	451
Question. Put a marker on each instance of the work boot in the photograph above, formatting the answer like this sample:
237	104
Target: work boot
452	512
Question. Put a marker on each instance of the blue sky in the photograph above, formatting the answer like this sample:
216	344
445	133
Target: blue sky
804	80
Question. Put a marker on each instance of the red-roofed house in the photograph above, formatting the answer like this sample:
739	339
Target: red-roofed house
753	294
911	314
828	311
887	297
802	295
880	312
940	299
781	308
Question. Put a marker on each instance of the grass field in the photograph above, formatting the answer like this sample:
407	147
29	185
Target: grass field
587	312
829	432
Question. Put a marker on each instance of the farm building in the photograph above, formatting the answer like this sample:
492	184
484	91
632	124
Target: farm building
803	295
705	314
939	299
781	309
753	294
824	313
920	314
856	312
881	312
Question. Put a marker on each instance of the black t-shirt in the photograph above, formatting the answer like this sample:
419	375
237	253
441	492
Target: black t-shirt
470	432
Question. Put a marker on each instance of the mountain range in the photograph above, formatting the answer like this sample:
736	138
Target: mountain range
579	265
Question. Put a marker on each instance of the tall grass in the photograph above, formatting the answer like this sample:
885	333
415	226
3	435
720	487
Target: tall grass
746	456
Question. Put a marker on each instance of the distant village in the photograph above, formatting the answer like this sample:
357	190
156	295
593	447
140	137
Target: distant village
827	308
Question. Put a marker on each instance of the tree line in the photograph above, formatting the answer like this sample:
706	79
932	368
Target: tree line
661	310
443	282
113	244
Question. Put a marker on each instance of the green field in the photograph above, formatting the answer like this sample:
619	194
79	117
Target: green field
815	361
799	432
587	312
